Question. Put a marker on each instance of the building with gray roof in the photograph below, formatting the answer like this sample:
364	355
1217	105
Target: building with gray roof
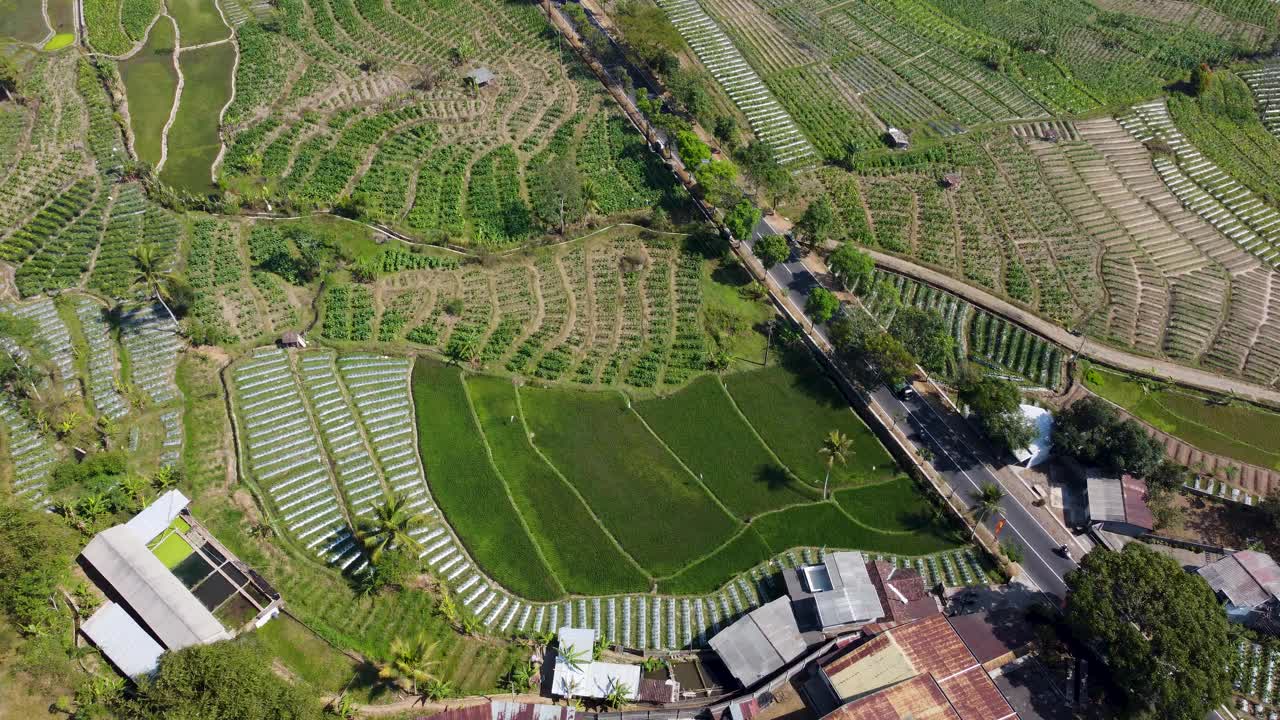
760	643
1248	584
836	593
1119	505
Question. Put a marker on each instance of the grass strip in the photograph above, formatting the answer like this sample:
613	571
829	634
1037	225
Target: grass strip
1239	431
741	553
701	426
469	492
583	556
661	515
794	406
824	525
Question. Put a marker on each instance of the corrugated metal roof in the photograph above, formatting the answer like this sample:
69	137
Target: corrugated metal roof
929	646
588	678
919	698
166	605
1136	511
1241	577
157	516
1106	498
123	640
853	597
761	642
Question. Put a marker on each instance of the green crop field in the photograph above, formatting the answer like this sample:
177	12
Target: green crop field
827	525
582	555
59	41
150	83
193	140
743	551
198	21
896	506
655	507
795	409
22	20
701	426
473	496
1239	431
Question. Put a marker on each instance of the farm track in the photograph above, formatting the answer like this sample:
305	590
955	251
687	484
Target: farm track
1091	349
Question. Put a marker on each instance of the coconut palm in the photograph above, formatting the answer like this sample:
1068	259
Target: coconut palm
146	260
987	501
572	656
836	448
617	696
388	528
410	662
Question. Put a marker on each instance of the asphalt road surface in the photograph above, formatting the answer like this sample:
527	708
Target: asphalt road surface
957	463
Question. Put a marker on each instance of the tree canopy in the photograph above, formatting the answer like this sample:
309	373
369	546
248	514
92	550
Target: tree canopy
771	249
1160	629
742	218
852	267
36	552
229	680
814	227
928	336
995	403
1091	431
821	305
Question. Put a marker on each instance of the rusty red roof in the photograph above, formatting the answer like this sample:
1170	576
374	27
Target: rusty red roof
934	650
902	593
919	698
1136	511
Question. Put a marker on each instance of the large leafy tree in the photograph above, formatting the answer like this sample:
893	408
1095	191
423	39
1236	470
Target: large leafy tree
1091	431
927	334
1160	629
149	272
822	305
995	403
771	249
229	680
742	218
387	528
817	222
852	267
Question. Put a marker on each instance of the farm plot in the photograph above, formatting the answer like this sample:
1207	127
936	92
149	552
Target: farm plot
103	380
660	513
428	156
31	455
102	23
134	221
769	120
199	20
194	140
150	339
284	457
151	86
38	247
1265	84
793	408
216	268
1205	188
52	337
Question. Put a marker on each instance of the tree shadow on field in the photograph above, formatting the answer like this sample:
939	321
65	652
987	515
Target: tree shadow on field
731	275
810	378
773	477
366	682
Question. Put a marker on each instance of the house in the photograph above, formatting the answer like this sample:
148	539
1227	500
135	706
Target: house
902	593
897	138
921	670
951	180
292	339
169	585
760	643
995	637
837	593
480	77
1248	584
577	675
1118	505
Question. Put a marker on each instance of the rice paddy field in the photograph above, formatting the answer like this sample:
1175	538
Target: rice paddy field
151	83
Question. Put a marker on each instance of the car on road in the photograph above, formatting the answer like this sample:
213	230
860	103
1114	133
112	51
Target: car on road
903	390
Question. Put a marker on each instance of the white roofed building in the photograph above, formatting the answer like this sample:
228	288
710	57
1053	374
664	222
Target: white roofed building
577	675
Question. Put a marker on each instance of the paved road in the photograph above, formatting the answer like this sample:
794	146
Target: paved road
1088	348
958	464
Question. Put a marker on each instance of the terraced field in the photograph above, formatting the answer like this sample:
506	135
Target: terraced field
362	103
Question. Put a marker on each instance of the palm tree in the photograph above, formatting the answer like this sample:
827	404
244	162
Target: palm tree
388	528
410	662
987	501
148	273
617	695
27	374
836	448
572	656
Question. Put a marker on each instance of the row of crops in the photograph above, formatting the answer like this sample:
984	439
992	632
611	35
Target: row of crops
769	120
602	320
1004	348
1204	187
1265	84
